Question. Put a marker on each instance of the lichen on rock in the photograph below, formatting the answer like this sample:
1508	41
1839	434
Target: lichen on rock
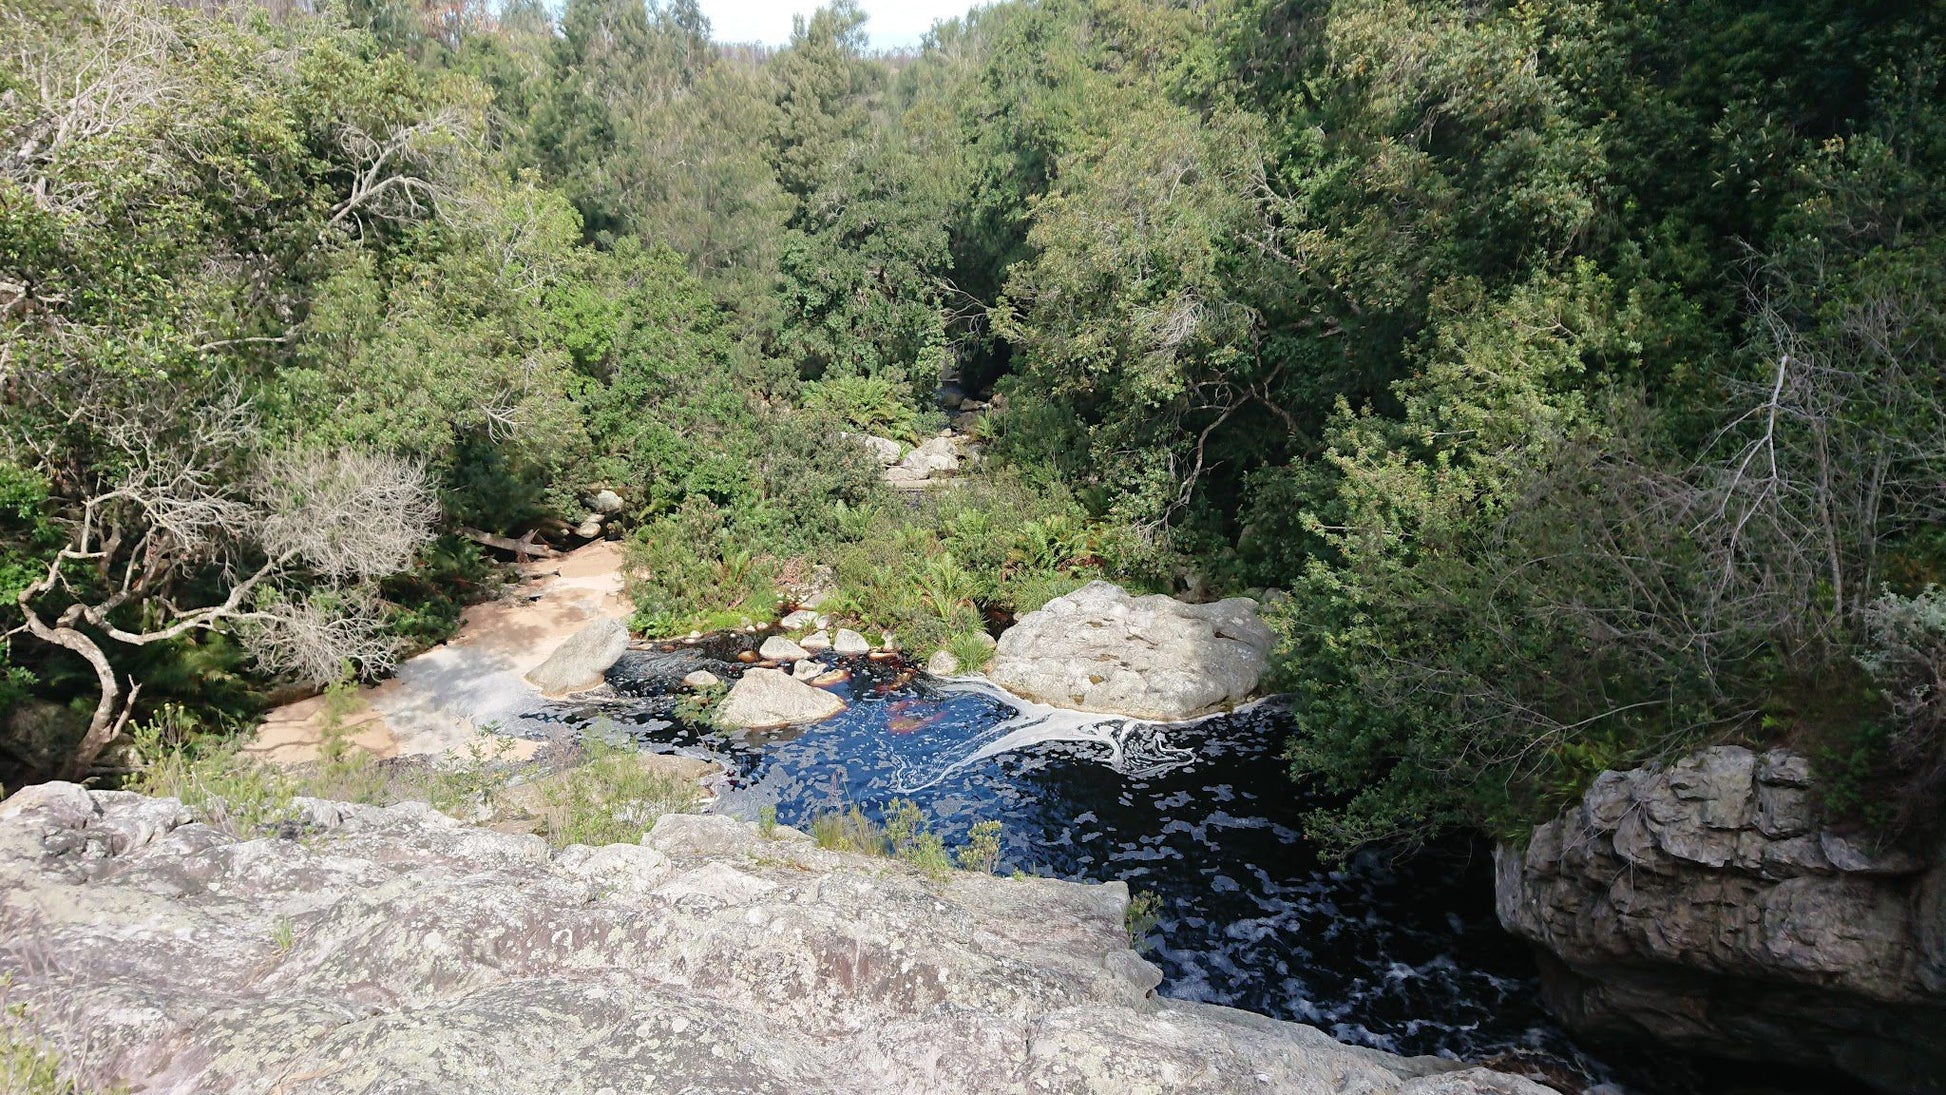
398	949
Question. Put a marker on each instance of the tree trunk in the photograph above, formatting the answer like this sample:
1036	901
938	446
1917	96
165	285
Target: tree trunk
523	549
105	722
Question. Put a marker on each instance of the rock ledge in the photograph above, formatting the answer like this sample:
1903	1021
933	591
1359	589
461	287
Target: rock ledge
1704	904
398	950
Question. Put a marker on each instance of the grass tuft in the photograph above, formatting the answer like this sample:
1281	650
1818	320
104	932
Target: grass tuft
907	836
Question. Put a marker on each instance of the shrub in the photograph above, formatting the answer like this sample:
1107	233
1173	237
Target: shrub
913	841
848	831
972	650
27	1066
871	404
982	851
233	792
1905	655
1140	918
907	836
688	570
612	798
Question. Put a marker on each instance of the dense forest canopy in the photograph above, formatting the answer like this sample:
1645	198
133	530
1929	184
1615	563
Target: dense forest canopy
1572	367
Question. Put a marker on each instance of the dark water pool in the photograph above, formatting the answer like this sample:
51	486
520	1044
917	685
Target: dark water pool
1403	956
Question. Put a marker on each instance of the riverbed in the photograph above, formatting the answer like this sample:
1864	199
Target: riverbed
1403	956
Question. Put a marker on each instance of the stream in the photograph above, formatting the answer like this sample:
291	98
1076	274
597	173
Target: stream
1401	956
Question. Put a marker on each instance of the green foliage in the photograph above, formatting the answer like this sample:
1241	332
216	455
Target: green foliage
699	707
907	836
27	539
971	649
427	600
849	831
27	1065
1852	773
982	851
1140	917
929	572
870	405
1462	322
690	570
229	789
612	798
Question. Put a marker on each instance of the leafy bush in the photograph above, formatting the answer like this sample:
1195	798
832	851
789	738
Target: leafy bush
689	570
1140	918
872	405
929	573
982	851
1905	655
27	1065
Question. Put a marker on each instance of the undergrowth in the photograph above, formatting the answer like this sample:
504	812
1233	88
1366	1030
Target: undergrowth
28	1065
609	796
1140	918
907	836
927	570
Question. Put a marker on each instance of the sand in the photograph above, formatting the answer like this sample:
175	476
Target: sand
458	693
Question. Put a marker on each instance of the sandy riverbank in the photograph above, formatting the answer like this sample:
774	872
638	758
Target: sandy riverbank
451	696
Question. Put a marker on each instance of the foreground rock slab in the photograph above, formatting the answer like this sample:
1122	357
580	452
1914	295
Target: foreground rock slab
1704	904
397	950
765	699
1102	649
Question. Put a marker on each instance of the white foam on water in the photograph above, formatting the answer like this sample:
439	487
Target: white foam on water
1133	747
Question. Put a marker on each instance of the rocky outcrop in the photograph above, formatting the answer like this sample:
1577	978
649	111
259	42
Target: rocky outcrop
398	950
883	449
1705	905
936	461
766	699
579	662
1101	649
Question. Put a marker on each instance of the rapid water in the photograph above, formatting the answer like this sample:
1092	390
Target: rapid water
1401	956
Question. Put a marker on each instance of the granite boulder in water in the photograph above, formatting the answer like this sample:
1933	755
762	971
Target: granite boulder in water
1102	649
398	950
579	662
765	699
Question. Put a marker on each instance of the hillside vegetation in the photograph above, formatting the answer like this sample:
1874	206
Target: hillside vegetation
1576	365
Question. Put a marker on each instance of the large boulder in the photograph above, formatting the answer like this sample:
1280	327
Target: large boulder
1101	649
936	456
397	950
779	648
579	662
1705	904
885	450
765	699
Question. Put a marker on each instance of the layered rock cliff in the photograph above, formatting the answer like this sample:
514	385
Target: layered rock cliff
397	950
1705	905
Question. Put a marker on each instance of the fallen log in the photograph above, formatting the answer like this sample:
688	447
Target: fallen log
523	549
